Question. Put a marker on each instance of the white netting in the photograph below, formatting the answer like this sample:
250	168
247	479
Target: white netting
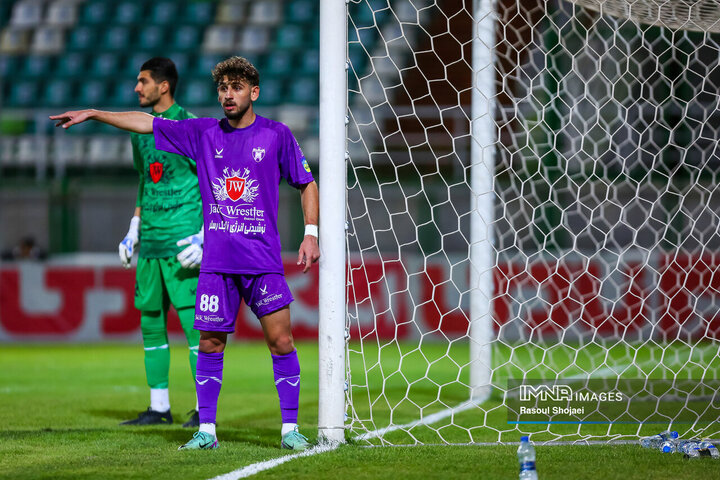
606	243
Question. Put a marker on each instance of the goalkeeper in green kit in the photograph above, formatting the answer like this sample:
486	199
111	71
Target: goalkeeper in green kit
167	228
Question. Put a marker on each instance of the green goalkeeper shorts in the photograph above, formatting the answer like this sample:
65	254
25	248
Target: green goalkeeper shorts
158	279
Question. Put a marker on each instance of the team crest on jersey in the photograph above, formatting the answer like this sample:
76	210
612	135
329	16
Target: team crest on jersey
258	154
235	186
156	171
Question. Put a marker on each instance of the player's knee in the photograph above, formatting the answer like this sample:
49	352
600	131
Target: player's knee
152	326
211	345
281	345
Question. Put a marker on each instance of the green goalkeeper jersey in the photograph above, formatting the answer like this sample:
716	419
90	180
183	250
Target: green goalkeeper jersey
168	193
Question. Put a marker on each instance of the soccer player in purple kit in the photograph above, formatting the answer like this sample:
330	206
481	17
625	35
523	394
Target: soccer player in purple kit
241	160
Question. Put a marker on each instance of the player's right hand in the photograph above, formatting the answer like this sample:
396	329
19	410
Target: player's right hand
71	118
128	244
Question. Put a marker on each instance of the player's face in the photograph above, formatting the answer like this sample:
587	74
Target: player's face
147	89
236	97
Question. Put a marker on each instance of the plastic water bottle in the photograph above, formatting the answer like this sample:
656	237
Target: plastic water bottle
668	446
690	448
526	456
657	441
711	450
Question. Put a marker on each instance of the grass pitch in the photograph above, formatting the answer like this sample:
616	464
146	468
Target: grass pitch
61	406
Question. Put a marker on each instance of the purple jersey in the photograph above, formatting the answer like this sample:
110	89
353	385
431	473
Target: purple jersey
239	172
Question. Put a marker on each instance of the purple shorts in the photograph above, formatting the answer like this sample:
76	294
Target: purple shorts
219	295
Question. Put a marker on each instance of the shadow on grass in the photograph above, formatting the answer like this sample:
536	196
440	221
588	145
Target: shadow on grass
119	415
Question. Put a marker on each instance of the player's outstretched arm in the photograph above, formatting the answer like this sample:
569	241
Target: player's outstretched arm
138	122
309	252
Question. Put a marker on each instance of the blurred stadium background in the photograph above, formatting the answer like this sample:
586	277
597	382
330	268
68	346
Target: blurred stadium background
69	195
72	193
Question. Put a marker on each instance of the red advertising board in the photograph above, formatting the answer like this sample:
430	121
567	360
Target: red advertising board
671	296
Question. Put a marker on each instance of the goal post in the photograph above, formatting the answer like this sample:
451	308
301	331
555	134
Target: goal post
333	112
482	222
520	197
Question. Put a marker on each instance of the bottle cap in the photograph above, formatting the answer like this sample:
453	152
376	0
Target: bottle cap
666	448
524	438
673	434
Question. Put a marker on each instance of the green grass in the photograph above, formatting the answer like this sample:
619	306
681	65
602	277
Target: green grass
61	406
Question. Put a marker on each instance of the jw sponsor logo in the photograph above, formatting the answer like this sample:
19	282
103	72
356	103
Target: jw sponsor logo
235	185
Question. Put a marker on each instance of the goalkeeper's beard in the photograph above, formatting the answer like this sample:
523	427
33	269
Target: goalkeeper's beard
148	103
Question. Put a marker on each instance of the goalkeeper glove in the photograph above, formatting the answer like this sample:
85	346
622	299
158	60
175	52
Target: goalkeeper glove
191	256
127	246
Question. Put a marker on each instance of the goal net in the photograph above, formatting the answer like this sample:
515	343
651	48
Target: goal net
532	213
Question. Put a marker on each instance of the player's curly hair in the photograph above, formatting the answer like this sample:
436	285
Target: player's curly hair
236	68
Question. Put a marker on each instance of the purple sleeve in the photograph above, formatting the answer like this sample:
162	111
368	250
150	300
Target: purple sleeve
293	165
176	136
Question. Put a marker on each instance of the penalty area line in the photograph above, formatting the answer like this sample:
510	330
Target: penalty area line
268	464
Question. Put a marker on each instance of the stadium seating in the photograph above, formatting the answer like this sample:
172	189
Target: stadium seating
116	38
231	13
199	13
7	150
289	37
164	13
8	65
186	37
219	38
150	37
128	13
56	92
61	13
14	41
35	66
265	12
22	93
96	12
67	150
71	64
30	149
82	38
198	91
27	13
93	92
47	40
301	11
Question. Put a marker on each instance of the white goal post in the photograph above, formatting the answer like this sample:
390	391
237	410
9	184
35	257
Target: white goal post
517	194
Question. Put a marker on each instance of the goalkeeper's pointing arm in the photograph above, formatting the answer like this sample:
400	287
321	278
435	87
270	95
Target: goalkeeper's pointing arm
138	122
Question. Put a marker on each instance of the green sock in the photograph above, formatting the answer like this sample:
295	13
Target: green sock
157	350
187	319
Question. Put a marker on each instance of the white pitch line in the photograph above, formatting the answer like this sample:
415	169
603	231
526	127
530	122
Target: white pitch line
430	419
267	465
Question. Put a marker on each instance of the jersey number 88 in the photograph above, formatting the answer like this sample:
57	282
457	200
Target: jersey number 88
209	303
